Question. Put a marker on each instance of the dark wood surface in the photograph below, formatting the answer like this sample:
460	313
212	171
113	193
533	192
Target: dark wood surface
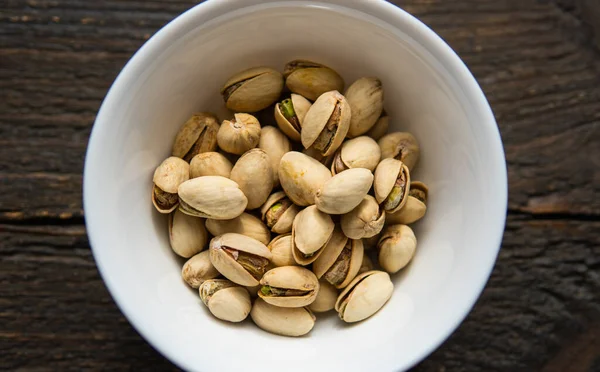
539	65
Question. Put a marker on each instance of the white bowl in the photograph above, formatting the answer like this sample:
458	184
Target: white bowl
428	91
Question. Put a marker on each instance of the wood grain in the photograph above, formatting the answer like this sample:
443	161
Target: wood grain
538	62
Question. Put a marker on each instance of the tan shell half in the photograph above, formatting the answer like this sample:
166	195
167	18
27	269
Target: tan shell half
344	191
239	135
311	231
311	79
365	296
397	247
387	173
245	224
301	106
415	207
198	269
197	135
402	146
284	321
325	299
359	152
365	97
275	144
253	173
301	176
253	89
210	164
331	253
289	278
380	128
284	222
364	221
226	300
171	173
187	234
281	249
213	197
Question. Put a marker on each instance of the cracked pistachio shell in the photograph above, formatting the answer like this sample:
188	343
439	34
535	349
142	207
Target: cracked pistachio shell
245	224
197	135
364	221
365	97
187	234
198	269
380	128
397	247
402	146
171	173
275	144
365	296
210	164
253	173
367	265
225	300
344	191
281	249
326	123
311	231
248	252
213	197
415	207
334	266
292	126
391	184
253	89
311	79
284	321
325	299
279	212
359	152
301	176
296	286
239	135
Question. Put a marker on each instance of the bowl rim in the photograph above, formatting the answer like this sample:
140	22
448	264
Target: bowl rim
380	9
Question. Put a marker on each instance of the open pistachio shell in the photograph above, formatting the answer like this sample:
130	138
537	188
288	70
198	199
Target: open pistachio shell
275	144
311	231
415	207
213	197
364	221
253	173
391	184
245	224
380	128
253	89
290	114
325	299
198	269
301	176
281	249
289	286
239	258
402	146
196	136
365	97
359	152
225	300
171	173
311	79
285	321
326	123
239	135
366	295
397	247
344	191
187	234
210	164
340	261
278	213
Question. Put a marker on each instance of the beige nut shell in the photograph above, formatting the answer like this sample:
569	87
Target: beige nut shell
290	277
187	234
301	176
291	321
365	296
344	191
213	197
245	224
254	175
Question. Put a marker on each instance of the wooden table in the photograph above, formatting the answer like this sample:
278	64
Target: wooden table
538	62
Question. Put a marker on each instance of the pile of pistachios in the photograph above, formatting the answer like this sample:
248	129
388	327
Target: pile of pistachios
295	196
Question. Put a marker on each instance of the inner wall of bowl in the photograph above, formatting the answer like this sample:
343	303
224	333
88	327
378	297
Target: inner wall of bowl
420	98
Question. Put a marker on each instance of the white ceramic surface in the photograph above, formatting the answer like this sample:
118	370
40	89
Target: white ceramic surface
428	91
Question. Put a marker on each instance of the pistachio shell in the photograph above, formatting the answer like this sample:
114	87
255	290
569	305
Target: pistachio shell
367	265
326	123
253	89
301	176
365	97
245	224
187	234
415	206
171	173
311	231
344	191
197	135
291	321
311	79
325	299
213	197
253	173
281	249
210	164
397	247
402	146
289	286
279	212
225	300
392	184
359	152
275	144
198	269
380	128
364	221
299	106
366	295
239	135
336	266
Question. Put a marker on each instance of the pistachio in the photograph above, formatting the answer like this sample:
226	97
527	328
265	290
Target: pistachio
326	123
239	135
239	258
281	249
285	321
213	197
245	224
402	146
198	269
187	234
275	144
311	231
344	191
168	176
301	176
367	265
279	212
392	184
196	136
210	164
415	207
364	221
290	114
253	173
366	295
359	152
365	97
397	247
325	299
289	286
340	261
311	79
225	300
253	89
380	128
